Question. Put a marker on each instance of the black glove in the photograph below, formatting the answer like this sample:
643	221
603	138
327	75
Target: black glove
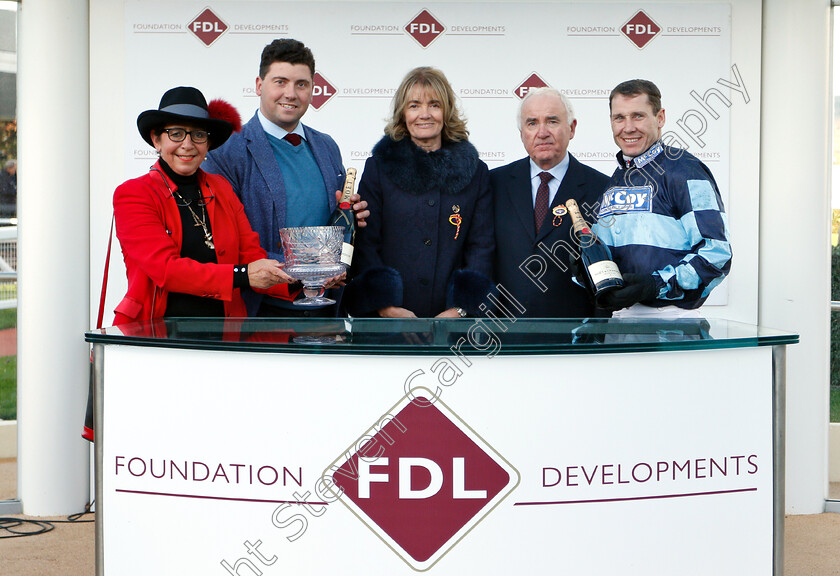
637	288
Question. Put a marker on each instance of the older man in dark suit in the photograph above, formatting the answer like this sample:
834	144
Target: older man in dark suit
533	228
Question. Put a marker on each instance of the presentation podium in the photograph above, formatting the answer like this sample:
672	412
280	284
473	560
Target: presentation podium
470	446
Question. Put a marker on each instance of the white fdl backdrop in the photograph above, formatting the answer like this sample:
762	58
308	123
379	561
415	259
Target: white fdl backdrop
363	50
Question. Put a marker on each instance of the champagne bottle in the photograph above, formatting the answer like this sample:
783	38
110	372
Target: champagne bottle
602	273
343	216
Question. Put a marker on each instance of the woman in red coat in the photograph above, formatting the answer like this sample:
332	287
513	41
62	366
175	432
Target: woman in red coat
187	245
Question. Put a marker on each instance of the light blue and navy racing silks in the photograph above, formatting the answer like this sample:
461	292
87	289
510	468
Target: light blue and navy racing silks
662	214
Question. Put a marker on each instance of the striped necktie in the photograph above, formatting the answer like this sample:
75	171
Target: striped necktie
541	203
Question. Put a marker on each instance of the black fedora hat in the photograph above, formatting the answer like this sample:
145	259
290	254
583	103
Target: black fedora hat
184	104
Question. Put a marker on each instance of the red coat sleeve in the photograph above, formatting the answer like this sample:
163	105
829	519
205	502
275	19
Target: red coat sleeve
149	231
249	241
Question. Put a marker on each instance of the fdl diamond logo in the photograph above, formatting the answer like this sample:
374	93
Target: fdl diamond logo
207	27
322	91
423	480
425	28
640	29
532	81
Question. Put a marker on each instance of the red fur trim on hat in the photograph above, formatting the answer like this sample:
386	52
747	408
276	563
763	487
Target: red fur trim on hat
219	109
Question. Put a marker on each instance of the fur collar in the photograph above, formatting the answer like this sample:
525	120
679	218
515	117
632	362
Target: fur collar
447	170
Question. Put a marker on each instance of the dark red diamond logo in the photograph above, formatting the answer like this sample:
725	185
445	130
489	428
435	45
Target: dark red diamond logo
533	81
640	29
423	480
322	91
425	28
207	27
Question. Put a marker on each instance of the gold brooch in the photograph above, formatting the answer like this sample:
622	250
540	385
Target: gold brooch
456	220
559	211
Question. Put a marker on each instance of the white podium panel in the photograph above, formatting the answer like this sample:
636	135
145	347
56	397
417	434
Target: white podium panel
224	462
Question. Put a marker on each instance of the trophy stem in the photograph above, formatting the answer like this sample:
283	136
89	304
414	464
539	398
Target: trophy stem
314	296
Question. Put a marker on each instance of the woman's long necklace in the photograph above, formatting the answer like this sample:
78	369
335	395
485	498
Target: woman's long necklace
208	236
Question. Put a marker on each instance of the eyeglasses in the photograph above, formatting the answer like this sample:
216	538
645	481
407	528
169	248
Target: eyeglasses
201	200
178	135
180	200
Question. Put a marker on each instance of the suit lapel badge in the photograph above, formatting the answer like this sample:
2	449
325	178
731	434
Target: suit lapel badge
558	211
455	219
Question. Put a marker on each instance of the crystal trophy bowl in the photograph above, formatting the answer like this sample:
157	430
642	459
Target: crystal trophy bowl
313	255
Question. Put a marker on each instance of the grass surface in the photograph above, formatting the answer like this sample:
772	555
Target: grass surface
8	318
8	371
8	388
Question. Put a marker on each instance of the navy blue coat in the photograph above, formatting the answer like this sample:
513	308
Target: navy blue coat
413	253
518	244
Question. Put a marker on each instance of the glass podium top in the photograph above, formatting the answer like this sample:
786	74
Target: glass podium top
418	337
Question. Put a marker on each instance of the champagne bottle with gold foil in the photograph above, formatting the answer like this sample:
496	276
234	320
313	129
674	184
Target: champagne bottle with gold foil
343	216
602	273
